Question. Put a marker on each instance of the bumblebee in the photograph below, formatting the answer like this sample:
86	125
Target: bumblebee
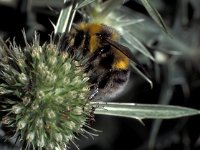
106	61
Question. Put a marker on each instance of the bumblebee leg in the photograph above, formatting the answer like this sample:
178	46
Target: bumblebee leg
94	93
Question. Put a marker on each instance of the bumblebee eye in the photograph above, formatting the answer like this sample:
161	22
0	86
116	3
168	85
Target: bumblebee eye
104	49
101	51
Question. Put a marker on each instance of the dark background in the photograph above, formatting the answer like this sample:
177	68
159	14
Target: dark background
183	19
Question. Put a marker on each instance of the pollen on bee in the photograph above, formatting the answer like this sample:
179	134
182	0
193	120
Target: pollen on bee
121	64
121	61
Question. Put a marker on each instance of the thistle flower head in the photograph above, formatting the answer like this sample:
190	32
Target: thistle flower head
42	95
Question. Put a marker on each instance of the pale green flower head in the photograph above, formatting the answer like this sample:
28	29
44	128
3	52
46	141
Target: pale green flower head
43	95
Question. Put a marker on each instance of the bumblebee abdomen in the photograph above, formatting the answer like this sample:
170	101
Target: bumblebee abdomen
113	83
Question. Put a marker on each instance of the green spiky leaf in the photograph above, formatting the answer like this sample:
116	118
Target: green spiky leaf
143	111
66	17
155	15
84	3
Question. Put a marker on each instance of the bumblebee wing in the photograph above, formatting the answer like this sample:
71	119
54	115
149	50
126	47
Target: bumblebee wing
135	64
125	50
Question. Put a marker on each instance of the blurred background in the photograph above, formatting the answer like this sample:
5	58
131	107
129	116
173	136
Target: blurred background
175	75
